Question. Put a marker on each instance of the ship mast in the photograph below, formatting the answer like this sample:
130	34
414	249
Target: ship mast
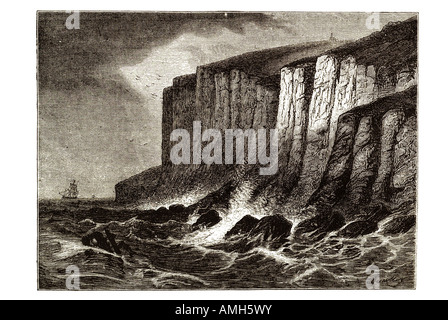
73	190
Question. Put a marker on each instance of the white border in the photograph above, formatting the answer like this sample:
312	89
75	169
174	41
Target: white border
18	131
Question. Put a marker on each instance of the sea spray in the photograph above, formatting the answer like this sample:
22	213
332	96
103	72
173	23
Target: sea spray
193	262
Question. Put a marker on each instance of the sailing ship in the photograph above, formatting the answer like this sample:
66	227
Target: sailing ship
71	192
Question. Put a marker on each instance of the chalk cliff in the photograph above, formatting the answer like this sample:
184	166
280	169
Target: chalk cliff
346	120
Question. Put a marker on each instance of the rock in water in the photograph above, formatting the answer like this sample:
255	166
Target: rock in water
375	212
178	208
207	220
111	238
176	212
358	228
98	240
272	228
106	241
201	211
317	227
399	224
244	226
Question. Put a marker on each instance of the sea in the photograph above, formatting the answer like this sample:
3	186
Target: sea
173	256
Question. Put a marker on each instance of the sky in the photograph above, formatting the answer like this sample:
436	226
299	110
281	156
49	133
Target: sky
100	86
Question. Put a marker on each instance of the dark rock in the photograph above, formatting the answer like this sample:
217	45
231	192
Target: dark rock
399	224
375	212
317	227
218	198
163	215
125	248
163	211
98	240
207	220
201	211
178	208
272	228
106	241
111	238
183	209
244	226
358	228
338	169
270	232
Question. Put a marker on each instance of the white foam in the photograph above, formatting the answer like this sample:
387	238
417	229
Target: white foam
216	233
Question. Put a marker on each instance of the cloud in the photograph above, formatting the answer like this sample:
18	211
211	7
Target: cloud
67	58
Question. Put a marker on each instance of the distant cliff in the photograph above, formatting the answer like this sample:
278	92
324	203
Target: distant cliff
345	114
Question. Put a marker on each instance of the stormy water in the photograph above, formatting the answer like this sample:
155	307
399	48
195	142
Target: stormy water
122	249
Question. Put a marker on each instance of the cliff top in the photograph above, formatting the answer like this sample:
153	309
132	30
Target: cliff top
394	45
268	62
184	80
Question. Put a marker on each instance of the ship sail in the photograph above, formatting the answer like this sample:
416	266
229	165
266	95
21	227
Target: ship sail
71	192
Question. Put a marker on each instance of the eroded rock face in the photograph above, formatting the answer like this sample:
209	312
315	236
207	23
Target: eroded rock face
365	83
302	91
337	173
235	98
405	163
178	112
323	95
406	78
363	160
205	97
391	124
345	94
364	163
249	102
292	121
317	151
285	116
331	148
385	83
222	101
167	124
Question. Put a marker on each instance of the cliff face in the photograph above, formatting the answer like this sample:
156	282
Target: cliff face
292	120
345	117
370	160
178	112
241	92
